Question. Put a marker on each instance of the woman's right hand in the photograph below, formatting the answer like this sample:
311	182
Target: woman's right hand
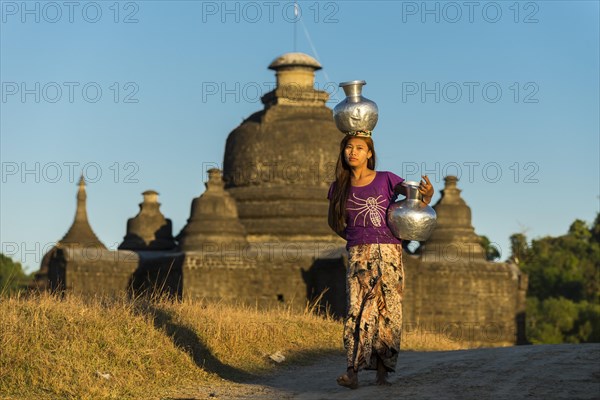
426	189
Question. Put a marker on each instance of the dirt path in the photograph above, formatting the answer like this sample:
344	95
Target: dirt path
525	372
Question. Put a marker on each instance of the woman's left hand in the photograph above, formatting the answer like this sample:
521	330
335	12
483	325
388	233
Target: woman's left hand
426	189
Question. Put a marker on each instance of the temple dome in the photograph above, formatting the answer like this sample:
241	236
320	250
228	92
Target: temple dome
294	60
279	162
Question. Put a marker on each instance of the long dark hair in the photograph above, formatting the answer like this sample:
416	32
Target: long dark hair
341	188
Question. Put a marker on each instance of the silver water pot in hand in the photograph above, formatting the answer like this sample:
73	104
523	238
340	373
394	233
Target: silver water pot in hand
410	218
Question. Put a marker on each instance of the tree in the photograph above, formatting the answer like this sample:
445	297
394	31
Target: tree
596	229
491	251
12	276
564	284
518	247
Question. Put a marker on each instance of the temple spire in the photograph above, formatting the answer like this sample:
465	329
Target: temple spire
295	75
80	233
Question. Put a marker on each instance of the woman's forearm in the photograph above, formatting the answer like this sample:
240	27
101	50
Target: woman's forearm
332	225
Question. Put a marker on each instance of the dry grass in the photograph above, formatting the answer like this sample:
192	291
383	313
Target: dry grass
57	348
430	341
54	347
237	340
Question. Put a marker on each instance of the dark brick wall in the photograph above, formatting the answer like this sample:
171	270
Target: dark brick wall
250	281
474	302
92	271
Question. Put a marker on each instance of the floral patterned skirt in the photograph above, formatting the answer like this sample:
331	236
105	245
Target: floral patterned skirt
375	286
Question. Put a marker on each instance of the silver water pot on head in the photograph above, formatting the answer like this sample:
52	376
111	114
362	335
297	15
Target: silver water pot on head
411	218
355	113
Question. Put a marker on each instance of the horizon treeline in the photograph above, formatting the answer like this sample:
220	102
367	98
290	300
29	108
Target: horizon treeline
564	284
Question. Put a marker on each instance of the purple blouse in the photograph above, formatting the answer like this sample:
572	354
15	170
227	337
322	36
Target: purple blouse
366	210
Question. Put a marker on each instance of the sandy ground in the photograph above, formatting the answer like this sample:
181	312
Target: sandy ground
566	372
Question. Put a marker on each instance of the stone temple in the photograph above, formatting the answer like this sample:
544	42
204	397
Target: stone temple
258	234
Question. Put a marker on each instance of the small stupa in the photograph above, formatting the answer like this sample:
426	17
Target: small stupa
149	229
213	218
454	237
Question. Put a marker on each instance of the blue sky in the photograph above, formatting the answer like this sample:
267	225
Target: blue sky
142	95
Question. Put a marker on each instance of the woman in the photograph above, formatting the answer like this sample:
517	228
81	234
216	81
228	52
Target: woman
359	199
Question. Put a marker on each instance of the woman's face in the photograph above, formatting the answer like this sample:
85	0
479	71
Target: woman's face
356	152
